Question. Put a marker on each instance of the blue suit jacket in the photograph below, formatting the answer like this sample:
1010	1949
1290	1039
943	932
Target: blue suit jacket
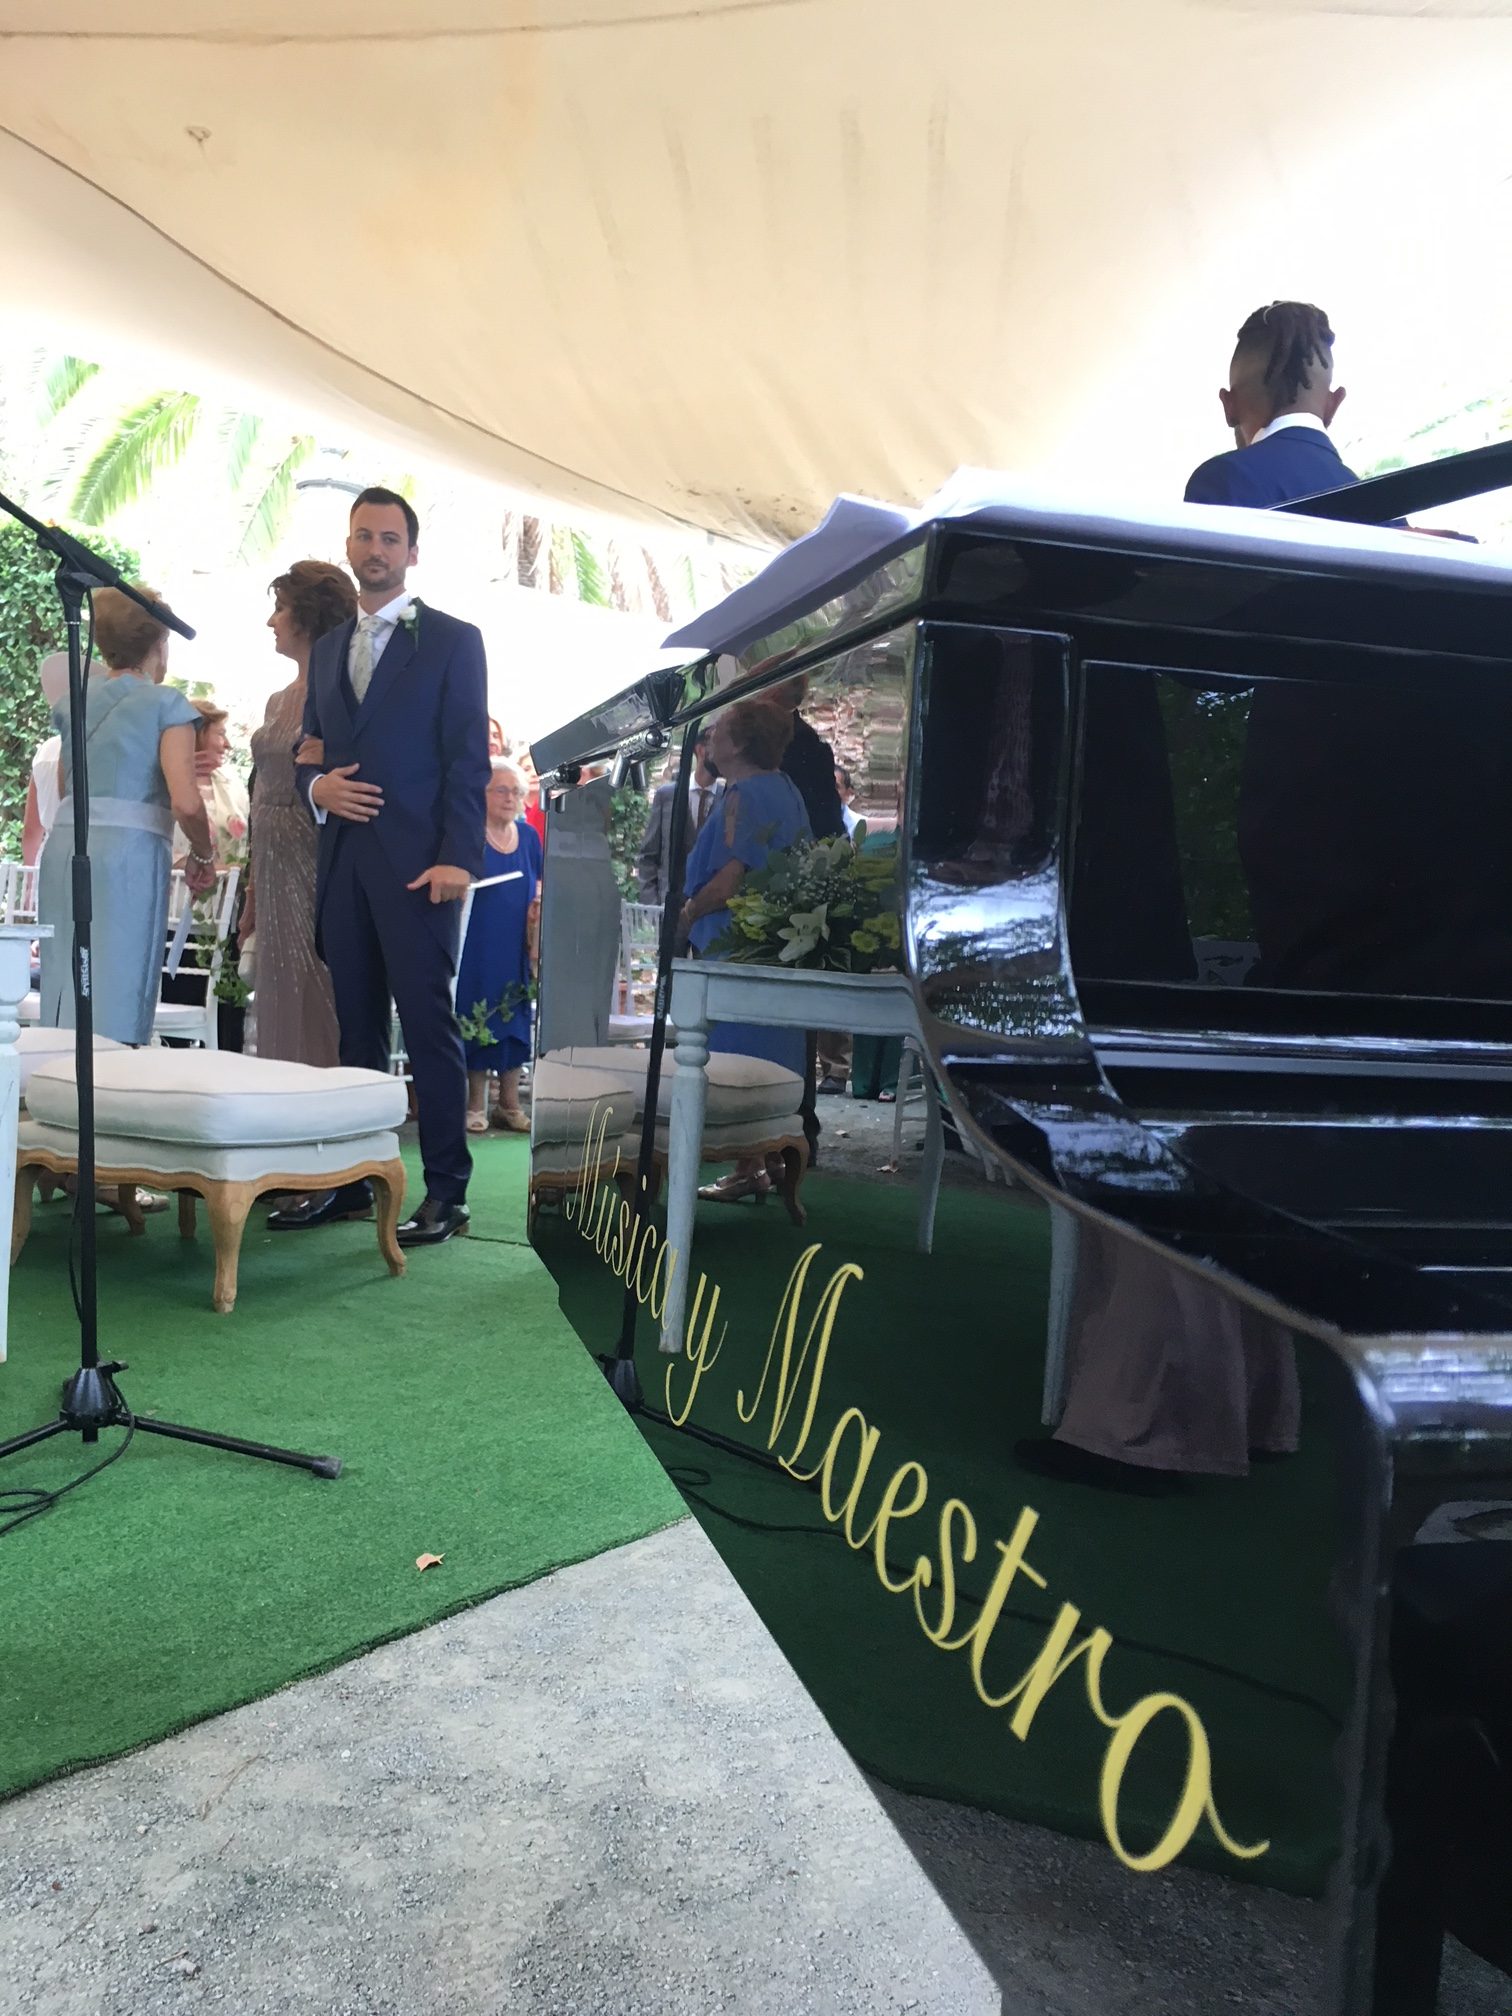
1296	462
421	734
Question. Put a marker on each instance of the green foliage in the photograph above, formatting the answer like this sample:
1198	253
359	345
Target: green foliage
67	376
270	506
474	1026
828	905
150	438
1205	735
239	433
627	828
31	626
592	585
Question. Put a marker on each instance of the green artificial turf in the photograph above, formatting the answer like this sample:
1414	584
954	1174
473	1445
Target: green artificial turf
1219	1593
180	1582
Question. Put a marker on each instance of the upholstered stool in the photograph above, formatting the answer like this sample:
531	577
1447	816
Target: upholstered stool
227	1128
580	1128
37	1045
752	1109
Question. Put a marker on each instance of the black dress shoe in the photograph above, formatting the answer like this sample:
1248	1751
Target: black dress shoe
434	1222
325	1207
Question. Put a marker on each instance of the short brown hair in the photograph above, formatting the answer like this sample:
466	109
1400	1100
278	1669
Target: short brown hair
760	731
317	595
124	634
209	714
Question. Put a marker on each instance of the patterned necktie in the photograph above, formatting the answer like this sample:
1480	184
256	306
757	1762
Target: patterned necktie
701	809
362	657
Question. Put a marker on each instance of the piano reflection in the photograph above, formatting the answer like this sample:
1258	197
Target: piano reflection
1137	1501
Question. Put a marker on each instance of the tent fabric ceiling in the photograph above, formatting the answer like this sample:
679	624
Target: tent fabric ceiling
712	261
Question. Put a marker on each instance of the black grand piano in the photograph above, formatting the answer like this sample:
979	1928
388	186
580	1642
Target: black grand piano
1148	1537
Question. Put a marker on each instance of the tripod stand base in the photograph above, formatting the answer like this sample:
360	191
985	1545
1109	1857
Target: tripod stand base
92	1401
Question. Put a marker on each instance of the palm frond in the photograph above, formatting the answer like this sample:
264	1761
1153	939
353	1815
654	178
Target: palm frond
592	583
268	518
150	438
239	432
532	538
661	601
65	377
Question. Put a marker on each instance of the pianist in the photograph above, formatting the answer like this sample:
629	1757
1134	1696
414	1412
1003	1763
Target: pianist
1280	401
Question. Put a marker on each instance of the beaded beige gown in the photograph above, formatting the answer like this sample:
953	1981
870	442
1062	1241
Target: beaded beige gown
296	1016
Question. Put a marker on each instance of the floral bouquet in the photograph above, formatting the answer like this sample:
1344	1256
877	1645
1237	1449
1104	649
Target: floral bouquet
830	905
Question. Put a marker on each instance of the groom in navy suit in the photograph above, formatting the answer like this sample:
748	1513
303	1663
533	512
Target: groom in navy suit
394	765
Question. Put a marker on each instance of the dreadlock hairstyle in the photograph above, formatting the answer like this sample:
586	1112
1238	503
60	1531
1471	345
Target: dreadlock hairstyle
1291	336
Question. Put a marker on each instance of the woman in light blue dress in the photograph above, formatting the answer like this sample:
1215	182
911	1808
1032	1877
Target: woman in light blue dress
760	813
140	746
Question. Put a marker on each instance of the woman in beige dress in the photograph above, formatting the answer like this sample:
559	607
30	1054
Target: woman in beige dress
296	1016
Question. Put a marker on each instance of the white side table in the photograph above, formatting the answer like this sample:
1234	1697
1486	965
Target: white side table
16	941
708	991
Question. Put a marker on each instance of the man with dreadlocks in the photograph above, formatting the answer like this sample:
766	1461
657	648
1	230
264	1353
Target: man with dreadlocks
1279	400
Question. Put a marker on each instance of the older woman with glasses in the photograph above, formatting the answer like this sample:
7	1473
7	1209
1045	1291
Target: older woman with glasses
502	953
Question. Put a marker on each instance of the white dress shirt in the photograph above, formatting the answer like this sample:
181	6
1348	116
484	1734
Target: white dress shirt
384	622
1289	420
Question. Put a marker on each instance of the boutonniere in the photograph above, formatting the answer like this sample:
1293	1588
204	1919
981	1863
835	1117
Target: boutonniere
409	622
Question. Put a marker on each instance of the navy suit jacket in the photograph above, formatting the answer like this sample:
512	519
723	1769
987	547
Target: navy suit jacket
421	734
1294	462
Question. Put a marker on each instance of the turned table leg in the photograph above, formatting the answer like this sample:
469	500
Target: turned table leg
21	1221
690	1091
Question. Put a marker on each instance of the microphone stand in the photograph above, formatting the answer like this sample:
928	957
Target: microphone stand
91	1399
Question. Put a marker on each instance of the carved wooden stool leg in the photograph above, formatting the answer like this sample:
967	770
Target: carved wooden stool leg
21	1223
794	1169
186	1214
228	1204
388	1194
130	1210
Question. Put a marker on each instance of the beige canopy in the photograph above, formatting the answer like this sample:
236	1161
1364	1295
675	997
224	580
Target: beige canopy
715	260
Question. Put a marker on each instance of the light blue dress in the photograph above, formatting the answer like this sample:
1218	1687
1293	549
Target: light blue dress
763	815
131	859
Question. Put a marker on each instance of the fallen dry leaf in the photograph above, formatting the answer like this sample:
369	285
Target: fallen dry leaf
424	1561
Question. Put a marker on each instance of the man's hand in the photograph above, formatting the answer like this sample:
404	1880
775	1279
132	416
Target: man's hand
311	750
446	885
336	792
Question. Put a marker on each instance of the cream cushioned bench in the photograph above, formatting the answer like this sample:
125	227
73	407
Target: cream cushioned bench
38	1045
752	1110
574	1115
221	1126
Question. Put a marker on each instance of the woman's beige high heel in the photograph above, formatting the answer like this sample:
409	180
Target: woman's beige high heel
731	1189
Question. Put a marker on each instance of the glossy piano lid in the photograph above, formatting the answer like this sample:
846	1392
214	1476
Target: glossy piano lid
858	534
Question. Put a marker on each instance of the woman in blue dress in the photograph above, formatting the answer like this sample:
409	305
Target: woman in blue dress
502	952
760	812
139	738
